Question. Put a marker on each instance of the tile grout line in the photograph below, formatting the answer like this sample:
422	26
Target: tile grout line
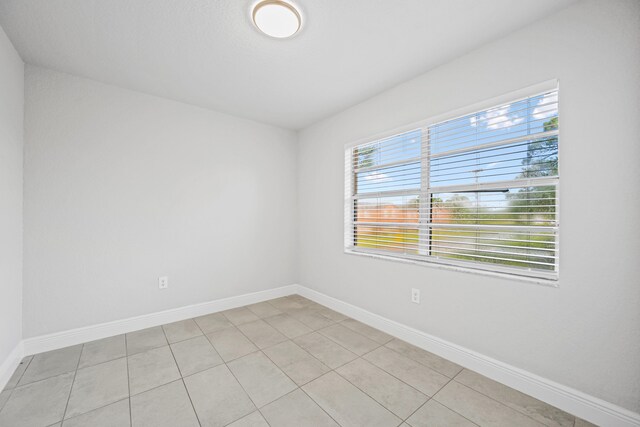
299	387
433	398
393	376
229	369
94	410
317	404
261	414
84	367
224	362
180	373
365	393
284	373
413	360
243	389
260	350
361	357
288	318
437	371
25	370
181	377
334	370
73	382
502	403
10	391
126	352
420	363
402	381
452	410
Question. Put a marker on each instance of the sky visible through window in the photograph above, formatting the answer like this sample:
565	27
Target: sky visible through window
489	199
529	116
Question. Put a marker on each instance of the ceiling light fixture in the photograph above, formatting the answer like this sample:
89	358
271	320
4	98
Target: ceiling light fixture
276	18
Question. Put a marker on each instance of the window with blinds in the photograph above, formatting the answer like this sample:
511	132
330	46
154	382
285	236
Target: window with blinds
476	191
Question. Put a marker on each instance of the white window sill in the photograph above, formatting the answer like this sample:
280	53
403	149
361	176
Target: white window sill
440	265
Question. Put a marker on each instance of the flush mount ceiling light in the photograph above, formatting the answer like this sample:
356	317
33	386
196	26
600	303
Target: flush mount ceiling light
276	18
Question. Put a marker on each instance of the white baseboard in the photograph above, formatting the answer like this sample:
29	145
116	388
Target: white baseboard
103	330
570	400
8	367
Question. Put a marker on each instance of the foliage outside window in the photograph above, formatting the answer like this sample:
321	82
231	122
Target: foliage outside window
476	191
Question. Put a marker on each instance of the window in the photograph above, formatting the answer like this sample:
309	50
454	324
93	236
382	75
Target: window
477	191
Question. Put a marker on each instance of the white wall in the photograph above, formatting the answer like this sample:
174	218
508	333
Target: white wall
584	334
121	188
11	136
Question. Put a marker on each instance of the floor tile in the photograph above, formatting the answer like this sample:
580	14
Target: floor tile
302	300
195	355
103	350
346	404
433	414
4	396
98	386
366	330
479	408
255	419
387	390
307	303
348	339
582	423
425	358
230	343
40	403
325	350
261	333
52	363
240	315
296	409
17	374
151	369
311	318
331	314
300	342
212	322
286	304
165	406
218	397
144	340
261	379
264	309
534	408
180	331
288	326
418	376
299	365
114	415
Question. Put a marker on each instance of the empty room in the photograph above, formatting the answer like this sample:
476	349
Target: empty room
290	213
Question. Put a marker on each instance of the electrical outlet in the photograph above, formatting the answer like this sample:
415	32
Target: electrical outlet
415	295
163	282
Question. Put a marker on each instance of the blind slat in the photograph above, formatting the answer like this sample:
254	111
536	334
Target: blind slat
477	189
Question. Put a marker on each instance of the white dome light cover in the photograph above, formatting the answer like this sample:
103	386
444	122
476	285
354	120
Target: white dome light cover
276	18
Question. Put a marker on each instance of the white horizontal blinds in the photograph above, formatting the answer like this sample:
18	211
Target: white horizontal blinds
492	186
515	228
478	190
387	182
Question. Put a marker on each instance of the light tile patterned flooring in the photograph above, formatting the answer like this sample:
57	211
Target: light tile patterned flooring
284	362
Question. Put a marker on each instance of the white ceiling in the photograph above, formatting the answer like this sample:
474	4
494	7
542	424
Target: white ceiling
207	53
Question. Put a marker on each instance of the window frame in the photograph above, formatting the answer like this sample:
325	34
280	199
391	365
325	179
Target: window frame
550	278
